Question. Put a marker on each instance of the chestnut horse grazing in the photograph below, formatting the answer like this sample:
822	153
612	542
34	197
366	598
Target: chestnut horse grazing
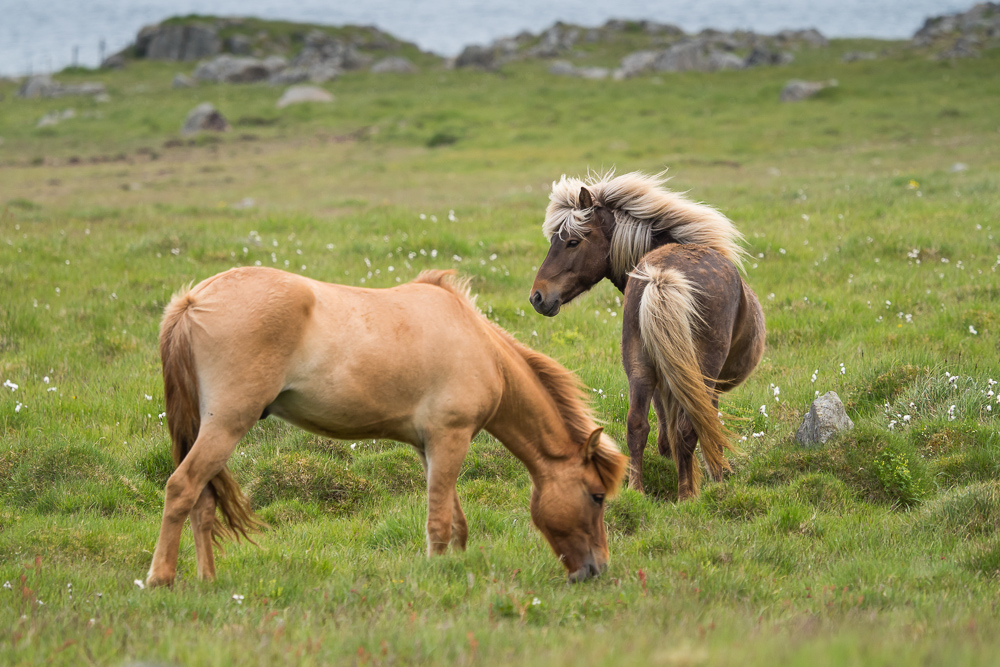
417	363
691	327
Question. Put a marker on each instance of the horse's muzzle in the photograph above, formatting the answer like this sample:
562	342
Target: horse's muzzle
540	305
590	569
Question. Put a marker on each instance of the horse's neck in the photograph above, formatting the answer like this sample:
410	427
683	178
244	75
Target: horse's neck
659	238
527	421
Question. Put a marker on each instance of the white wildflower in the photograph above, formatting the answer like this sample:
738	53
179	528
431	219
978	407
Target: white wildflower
139	584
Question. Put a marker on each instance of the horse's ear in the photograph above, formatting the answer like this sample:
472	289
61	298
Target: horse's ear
586	200
593	442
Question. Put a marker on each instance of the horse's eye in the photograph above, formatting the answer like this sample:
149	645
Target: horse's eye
572	243
598	498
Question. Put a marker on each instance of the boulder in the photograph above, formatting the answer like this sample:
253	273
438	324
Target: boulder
394	65
43	85
321	48
238	69
483	57
695	55
178	42
636	63
566	68
810	37
114	61
764	55
826	418
555	40
797	90
204	117
301	94
240	45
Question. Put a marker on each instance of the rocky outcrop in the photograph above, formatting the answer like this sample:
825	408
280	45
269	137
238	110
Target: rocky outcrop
961	35
173	41
43	85
204	117
237	69
566	68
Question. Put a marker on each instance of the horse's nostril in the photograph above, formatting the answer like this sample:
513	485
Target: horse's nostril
535	298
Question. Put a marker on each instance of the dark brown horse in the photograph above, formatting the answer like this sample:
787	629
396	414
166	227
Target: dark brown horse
692	328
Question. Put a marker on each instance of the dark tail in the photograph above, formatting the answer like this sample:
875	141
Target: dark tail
180	388
668	318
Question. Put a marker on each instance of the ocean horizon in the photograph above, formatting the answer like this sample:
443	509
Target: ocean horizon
49	35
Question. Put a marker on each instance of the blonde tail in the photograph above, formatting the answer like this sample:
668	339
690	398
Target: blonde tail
668	320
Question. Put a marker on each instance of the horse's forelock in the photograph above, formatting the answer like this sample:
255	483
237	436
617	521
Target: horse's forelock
611	464
563	215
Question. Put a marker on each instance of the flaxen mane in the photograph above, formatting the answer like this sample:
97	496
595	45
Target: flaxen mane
642	207
562	385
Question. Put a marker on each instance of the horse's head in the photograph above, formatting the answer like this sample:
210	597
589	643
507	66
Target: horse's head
578	258
567	505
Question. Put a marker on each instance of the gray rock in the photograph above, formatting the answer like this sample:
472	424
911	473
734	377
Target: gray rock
695	55
555	40
765	55
43	85
826	418
178	42
204	117
288	76
114	61
483	57
321	48
562	68
301	94
565	68
238	69
240	45
796	90
810	37
55	117
394	65
636	63
183	81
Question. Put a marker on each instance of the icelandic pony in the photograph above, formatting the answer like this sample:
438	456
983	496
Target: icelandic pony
416	363
691	327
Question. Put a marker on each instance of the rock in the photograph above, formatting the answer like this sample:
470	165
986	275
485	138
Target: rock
183	81
654	28
636	63
826	418
483	57
300	94
55	117
562	68
240	45
394	65
763	55
695	55
178	42
796	90
321	48
959	35
114	61
958	167
204	117
810	37
42	85
238	69
555	40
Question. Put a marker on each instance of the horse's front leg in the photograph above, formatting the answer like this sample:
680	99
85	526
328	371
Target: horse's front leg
442	458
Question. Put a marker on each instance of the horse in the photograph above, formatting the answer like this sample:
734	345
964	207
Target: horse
417	363
691	327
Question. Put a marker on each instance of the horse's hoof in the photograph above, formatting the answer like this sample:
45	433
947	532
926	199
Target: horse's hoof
153	581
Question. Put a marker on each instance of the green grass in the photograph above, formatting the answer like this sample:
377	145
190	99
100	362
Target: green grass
879	548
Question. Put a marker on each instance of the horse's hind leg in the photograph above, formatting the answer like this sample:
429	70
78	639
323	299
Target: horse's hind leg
202	522
206	459
662	424
688	473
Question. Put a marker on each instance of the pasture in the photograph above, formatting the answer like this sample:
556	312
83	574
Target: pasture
872	217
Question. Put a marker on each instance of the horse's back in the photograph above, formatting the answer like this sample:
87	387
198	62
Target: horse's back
730	336
341	360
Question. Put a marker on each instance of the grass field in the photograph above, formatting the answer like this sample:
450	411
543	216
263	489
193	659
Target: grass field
876	260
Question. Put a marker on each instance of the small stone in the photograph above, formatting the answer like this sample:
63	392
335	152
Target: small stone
300	94
204	117
183	81
826	418
796	90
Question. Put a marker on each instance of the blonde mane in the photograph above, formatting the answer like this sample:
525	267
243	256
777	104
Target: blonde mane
561	384
642	207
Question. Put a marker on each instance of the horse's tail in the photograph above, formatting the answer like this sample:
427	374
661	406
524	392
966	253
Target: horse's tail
180	388
668	320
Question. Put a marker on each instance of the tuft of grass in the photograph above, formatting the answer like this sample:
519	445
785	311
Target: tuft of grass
307	477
